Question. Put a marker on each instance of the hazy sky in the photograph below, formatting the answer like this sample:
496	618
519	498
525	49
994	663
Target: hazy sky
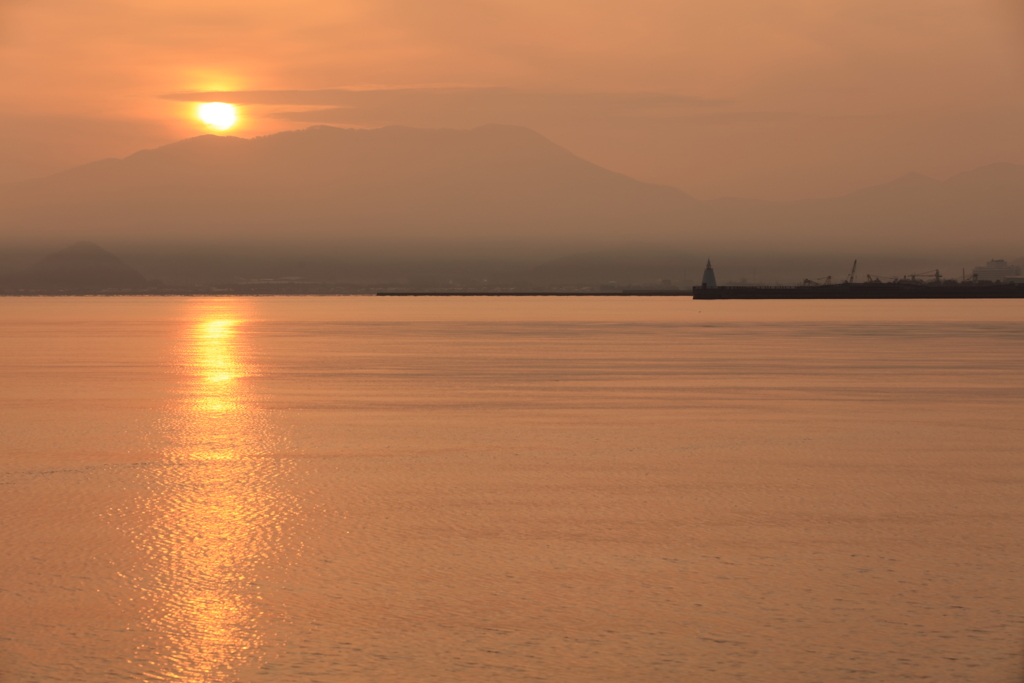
762	98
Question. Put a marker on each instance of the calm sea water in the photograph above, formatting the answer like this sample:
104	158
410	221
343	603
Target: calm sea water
228	490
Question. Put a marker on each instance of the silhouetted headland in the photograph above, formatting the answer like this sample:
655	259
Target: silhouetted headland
83	266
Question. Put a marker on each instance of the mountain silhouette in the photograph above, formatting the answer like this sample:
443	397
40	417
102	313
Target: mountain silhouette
399	188
490	183
82	266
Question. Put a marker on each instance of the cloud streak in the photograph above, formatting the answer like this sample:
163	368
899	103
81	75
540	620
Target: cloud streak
458	106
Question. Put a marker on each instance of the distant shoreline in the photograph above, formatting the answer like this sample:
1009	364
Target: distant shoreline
367	293
632	293
330	290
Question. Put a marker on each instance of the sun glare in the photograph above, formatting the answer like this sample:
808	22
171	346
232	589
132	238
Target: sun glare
219	115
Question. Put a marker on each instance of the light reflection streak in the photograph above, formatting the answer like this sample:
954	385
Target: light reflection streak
216	508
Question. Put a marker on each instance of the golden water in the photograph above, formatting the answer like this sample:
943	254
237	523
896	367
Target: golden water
366	489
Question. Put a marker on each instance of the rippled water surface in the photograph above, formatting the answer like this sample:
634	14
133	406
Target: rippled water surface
222	490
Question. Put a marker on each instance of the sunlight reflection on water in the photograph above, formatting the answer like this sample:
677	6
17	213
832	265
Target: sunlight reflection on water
216	508
291	489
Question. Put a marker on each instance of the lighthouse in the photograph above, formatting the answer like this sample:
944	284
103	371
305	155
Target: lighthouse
708	281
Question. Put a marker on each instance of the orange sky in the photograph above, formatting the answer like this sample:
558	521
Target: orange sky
762	98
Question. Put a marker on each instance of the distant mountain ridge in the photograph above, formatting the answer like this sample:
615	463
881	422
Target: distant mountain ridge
494	184
978	209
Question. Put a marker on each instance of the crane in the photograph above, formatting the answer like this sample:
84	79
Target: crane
853	271
826	281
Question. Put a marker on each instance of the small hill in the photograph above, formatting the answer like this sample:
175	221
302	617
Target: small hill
83	266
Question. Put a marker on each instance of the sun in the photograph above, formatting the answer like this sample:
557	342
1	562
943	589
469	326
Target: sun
219	115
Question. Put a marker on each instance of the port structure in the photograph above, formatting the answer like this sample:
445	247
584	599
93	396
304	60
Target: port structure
937	275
